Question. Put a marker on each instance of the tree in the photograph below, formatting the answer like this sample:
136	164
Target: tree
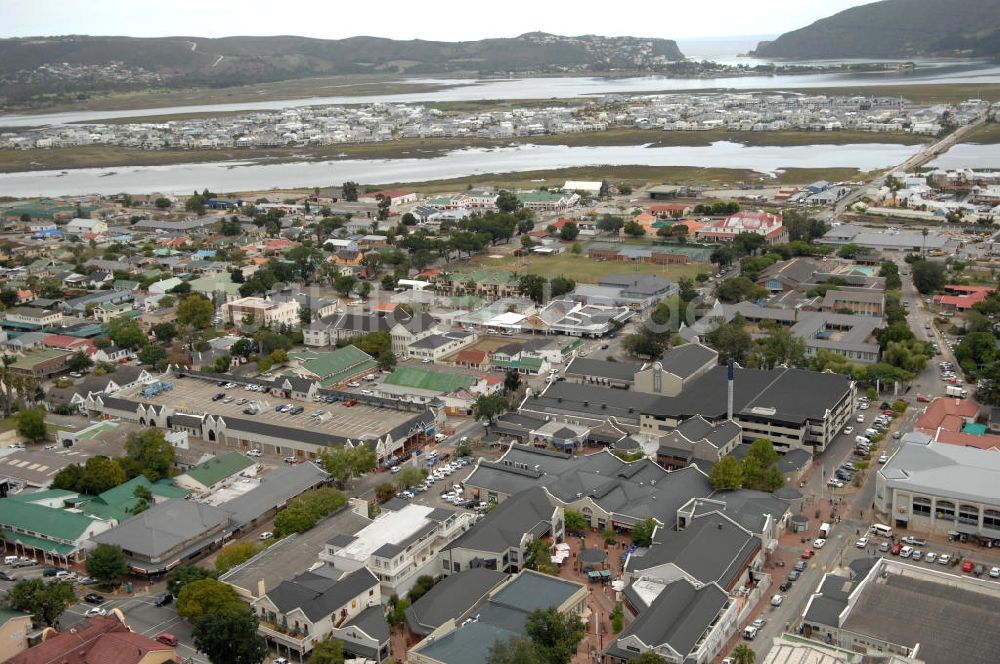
739	289
731	339
687	291
305	511
100	474
126	333
610	224
890	271
207	597
575	520
344	284
235	553
185	574
928	276
382	204
569	231
154	356
490	406
45	601
230	636
779	346
385	491
555	635
743	654
634	229
727	473
162	203
107	563
182	288
645	343
195	310
515	650
196	204
230	227
747	244
508	202
153	454
763	451
511	381
143	499
642	532
79	362
423	584
722	255
330	651
346	462
31	424
410	476
349	190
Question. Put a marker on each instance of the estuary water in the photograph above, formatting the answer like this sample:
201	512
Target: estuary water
253	175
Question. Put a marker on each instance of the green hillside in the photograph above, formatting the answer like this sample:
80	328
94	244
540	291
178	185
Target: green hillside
896	29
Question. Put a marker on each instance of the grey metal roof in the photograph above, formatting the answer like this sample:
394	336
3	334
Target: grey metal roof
451	598
165	526
685	360
589	367
506	524
717	433
590	401
275	490
319	594
372	622
711	549
940	469
678	617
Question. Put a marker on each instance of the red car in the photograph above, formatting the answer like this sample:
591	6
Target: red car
890	413
967	566
922	399
896	548
808	553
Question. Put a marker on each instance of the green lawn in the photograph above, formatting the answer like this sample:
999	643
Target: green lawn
581	269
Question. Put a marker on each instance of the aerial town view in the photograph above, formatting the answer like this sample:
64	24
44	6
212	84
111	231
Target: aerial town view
521	334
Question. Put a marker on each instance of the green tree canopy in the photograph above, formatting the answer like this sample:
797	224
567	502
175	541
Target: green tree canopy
515	650
555	635
490	406
330	651
195	310
107	563
31	424
151	451
207	597
184	574
45	601
642	532
126	333
928	276
229	636
235	553
726	473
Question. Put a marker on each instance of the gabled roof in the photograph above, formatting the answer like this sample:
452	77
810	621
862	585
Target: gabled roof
685	360
322	592
585	366
451	598
53	522
164	527
528	512
218	468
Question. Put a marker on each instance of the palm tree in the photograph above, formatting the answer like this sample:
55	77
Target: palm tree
742	654
923	248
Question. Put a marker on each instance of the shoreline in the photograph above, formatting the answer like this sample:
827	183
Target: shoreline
99	156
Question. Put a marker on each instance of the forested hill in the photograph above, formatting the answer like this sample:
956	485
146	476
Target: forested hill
234	60
896	29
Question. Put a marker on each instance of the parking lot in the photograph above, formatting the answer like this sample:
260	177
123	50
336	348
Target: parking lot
194	396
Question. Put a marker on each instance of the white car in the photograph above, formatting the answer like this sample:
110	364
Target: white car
995	572
426	360
254	453
266	535
776	600
354	384
96	611
861	543
848	431
819	543
944	559
861	418
834	483
883	458
930	557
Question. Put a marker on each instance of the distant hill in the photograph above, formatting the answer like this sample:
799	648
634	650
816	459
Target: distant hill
896	29
83	60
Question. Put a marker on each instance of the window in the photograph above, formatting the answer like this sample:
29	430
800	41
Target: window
444	564
968	514
945	509
991	519
458	567
922	506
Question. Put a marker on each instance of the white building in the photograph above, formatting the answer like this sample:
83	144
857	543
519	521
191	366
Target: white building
263	311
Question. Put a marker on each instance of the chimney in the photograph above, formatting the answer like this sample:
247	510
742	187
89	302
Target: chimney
729	384
261	591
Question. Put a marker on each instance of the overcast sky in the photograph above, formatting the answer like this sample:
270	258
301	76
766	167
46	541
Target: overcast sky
445	20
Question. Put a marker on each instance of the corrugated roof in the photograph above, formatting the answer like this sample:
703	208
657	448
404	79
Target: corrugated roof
219	468
54	522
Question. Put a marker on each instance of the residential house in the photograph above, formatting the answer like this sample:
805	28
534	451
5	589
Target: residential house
262	311
96	640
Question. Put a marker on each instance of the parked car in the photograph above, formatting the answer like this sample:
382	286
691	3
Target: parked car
93	598
785	587
776	600
913	541
164	599
296	410
930	557
794	575
995	572
848	431
266	535
808	553
944	559
861	543
916	555
967	566
291	460
219	396
896	548
167	638
800	566
96	611
254	452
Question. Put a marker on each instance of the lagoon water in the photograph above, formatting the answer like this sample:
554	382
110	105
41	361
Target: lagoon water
929	72
251	175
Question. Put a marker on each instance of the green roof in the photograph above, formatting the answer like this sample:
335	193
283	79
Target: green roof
538	197
335	366
216	282
430	380
483	277
532	364
33	357
50	521
38	543
6	615
219	468
124	284
117	503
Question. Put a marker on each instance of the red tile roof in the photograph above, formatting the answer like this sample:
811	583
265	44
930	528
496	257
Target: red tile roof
947	413
969	295
471	356
98	640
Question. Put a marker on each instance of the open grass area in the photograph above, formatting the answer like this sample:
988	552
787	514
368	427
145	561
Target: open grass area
634	175
581	268
984	134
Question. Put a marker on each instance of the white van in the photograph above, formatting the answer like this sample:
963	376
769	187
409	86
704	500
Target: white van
861	440
824	530
881	530
750	632
9	560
